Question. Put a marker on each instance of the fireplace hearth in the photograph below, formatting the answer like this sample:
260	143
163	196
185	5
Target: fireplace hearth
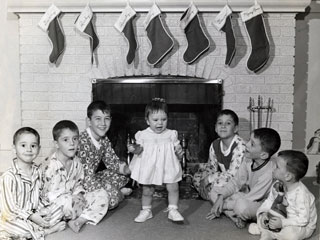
193	105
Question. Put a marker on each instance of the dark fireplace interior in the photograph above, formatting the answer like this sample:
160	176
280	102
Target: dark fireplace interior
193	105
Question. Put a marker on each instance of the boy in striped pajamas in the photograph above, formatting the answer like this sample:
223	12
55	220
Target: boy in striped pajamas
22	214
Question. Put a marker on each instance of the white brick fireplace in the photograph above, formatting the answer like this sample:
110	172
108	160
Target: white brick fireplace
50	93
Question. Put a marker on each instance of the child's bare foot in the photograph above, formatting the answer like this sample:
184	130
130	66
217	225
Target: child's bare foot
60	226
240	223
77	224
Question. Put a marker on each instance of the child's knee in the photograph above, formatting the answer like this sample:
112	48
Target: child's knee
172	187
148	191
241	207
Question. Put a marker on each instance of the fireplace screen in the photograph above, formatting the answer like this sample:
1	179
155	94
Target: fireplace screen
193	105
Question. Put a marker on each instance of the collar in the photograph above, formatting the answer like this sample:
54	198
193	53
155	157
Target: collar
23	176
96	143
260	166
227	152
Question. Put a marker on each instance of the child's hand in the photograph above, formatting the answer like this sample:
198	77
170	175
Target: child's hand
179	151
126	170
275	223
36	218
135	148
264	220
216	209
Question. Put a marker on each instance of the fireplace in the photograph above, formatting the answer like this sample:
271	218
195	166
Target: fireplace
193	105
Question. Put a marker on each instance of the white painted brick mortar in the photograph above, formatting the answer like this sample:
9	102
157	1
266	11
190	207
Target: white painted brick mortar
50	93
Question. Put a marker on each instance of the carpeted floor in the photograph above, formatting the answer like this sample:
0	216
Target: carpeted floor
119	224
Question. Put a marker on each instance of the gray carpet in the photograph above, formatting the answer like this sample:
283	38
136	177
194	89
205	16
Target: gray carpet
119	224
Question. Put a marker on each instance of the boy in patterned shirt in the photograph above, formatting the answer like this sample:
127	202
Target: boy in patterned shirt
63	177
95	150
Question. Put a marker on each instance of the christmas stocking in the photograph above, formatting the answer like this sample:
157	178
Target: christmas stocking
223	23
50	23
124	25
84	24
198	42
259	41
161	41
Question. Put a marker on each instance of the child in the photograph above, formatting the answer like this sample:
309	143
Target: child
63	180
156	160
225	155
22	214
95	149
301	218
313	146
240	198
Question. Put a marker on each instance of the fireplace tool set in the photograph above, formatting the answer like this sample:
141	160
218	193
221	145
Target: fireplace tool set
259	108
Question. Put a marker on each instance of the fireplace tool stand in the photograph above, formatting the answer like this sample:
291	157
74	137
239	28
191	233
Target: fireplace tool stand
259	108
186	176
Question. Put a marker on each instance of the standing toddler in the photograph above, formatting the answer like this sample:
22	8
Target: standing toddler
156	160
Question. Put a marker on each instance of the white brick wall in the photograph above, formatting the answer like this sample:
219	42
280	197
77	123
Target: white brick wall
51	93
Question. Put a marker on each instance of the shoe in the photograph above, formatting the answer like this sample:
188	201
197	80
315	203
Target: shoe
175	216
254	229
143	216
126	191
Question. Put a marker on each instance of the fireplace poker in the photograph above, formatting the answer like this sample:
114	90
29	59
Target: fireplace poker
259	111
268	111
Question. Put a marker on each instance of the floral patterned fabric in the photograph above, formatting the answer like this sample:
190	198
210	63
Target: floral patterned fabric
218	174
110	179
61	188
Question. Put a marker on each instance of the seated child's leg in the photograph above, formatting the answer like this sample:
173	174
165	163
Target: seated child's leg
55	214
97	203
245	209
292	233
56	228
266	235
76	224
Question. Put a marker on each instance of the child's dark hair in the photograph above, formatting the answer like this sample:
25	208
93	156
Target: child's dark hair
155	105
231	113
98	105
25	130
60	126
269	138
297	162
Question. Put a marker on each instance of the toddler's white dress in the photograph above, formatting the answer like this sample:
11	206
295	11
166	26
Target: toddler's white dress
158	163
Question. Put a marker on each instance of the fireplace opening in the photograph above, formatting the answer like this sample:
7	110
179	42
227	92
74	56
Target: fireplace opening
193	104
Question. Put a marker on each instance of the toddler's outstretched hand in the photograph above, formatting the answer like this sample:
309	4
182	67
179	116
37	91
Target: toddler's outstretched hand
135	148
179	151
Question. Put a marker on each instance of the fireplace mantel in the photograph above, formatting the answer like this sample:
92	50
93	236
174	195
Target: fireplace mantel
33	6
